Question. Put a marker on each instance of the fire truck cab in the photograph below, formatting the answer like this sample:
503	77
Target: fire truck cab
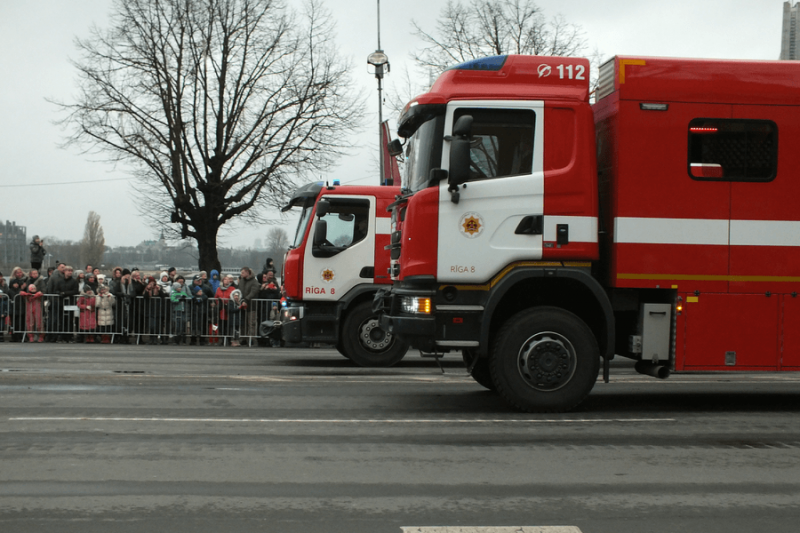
336	263
540	235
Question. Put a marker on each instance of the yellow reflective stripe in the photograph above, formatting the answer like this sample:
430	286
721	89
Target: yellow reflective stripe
623	63
512	266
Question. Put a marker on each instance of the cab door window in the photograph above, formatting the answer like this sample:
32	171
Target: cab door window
502	142
347	224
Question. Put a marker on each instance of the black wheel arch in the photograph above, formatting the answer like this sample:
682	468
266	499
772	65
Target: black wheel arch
570	289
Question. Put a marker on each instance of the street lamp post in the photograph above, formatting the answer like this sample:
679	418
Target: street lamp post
380	61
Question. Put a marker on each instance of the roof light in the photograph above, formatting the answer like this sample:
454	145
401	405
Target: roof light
484	63
653	107
703	130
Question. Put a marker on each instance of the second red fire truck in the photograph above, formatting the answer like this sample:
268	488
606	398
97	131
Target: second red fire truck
541	235
337	262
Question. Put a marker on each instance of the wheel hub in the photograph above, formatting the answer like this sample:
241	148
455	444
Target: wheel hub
547	361
373	337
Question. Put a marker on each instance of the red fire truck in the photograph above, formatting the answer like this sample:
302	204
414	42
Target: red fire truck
337	262
541	235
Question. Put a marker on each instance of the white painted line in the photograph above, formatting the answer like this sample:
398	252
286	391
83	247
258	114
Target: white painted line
337	421
492	529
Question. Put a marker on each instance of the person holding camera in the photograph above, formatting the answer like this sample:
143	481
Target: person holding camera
37	252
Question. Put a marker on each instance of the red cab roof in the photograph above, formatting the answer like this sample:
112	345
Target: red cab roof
512	77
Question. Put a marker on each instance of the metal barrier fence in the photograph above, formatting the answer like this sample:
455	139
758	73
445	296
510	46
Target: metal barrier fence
83	318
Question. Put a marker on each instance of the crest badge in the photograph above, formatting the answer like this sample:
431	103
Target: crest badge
327	275
471	225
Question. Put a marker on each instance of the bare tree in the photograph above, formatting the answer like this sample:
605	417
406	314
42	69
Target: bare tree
218	104
277	240
93	244
483	28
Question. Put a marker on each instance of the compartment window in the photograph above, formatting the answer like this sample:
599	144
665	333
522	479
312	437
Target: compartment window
733	149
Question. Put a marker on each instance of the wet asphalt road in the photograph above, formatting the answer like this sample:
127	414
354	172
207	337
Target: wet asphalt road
126	438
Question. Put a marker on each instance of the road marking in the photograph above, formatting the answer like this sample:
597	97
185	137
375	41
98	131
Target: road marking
492	529
337	420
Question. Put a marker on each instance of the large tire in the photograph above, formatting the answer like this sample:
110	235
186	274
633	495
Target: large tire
365	343
481	371
545	360
340	349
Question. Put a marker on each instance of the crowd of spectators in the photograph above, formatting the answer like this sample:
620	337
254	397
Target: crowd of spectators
68	305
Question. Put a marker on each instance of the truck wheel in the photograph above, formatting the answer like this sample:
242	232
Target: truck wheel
366	344
340	349
545	359
480	372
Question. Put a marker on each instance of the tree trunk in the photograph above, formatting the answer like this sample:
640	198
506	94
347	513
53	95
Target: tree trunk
207	246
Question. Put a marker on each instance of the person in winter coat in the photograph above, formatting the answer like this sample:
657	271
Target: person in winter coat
90	281
80	275
65	289
249	286
269	295
178	298
222	295
4	306
269	266
164	283
88	319
37	252
199	307
39	281
16	285
105	312
237	308
33	313
214	281
154	300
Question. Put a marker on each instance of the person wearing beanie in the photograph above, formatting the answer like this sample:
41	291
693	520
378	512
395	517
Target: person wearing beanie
178	299
33	313
164	283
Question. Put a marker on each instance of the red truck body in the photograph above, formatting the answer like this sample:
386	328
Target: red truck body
664	211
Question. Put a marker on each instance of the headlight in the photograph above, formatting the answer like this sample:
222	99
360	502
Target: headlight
410	304
290	314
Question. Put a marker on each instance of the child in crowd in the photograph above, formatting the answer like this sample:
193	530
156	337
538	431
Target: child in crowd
236	308
178	298
33	313
88	319
105	312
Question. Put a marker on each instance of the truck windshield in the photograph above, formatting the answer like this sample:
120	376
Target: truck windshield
424	152
302	225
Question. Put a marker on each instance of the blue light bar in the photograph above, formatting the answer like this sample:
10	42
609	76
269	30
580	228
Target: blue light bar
484	63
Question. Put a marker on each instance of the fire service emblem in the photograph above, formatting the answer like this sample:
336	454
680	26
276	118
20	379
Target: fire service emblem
471	225
327	275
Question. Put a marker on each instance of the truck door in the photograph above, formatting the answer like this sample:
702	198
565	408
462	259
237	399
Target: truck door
765	226
477	235
740	329
336	258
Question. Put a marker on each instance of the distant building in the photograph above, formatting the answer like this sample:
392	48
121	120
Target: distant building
790	25
13	245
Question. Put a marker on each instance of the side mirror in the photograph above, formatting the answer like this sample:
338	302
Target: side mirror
459	156
463	126
323	208
395	148
320	232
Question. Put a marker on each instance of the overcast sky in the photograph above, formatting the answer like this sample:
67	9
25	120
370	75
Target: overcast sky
50	190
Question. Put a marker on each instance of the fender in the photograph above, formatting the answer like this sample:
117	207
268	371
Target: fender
507	282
